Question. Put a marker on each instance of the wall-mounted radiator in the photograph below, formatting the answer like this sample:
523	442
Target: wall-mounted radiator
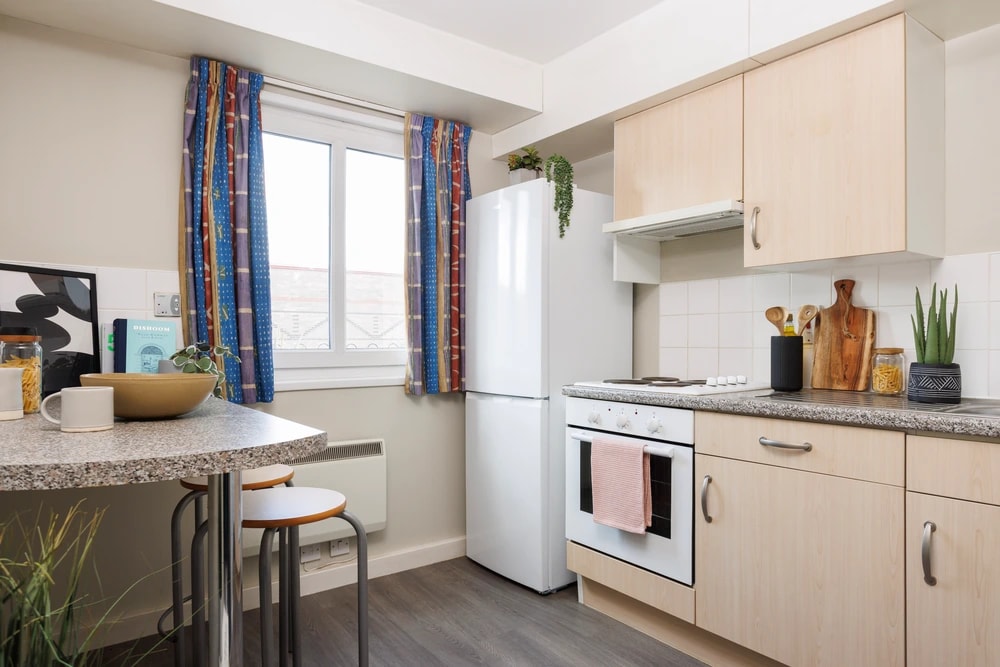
355	468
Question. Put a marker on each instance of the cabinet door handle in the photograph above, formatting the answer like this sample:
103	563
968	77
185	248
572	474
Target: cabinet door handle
704	498
753	227
777	444
925	553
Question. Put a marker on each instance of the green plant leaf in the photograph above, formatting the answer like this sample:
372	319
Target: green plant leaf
932	349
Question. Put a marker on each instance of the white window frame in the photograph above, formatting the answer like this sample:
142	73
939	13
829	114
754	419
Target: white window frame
343	129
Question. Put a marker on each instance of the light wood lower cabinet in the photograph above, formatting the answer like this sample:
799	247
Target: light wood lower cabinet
957	620
955	485
802	567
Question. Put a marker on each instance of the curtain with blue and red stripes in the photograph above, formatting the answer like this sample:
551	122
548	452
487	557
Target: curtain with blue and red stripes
225	271
437	173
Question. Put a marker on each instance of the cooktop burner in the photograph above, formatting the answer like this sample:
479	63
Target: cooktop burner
722	384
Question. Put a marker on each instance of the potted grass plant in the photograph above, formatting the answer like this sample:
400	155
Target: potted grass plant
934	377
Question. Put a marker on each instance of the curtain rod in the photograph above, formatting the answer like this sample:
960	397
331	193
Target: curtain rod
298	87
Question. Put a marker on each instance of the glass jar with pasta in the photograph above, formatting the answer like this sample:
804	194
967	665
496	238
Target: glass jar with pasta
887	371
21	347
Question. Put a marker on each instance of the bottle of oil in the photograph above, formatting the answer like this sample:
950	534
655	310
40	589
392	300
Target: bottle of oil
789	326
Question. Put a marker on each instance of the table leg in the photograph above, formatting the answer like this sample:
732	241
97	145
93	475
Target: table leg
225	564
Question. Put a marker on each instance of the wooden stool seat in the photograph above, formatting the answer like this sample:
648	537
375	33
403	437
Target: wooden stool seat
258	478
286	507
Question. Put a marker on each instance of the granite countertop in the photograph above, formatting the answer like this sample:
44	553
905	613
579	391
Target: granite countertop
217	437
819	405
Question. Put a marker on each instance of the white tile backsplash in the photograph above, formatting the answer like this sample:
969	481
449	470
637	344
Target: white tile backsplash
736	294
811	287
703	331
673	299
703	362
736	330
673	331
122	289
703	296
723	332
969	272
770	289
896	283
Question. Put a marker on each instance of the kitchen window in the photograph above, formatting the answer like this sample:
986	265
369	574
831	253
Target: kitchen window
336	224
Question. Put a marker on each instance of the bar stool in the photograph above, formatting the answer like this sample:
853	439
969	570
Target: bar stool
285	509
257	478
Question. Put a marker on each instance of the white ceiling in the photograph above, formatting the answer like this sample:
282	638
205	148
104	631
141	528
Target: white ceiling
536	30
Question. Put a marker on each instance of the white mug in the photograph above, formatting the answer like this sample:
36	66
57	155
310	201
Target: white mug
83	409
11	396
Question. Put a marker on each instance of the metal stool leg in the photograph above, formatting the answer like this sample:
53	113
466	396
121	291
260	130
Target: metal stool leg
264	582
283	582
362	586
177	576
199	648
294	588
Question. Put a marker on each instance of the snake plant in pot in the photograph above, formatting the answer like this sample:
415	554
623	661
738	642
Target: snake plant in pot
934	378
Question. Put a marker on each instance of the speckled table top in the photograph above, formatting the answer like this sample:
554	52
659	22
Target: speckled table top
828	406
217	437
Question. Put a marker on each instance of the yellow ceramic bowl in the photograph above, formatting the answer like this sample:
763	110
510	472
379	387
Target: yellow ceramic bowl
152	395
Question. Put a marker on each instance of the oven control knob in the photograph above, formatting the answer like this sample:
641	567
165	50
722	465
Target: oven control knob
623	422
594	418
654	426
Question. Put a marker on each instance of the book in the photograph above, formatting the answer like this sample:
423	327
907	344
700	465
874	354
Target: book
140	344
107	347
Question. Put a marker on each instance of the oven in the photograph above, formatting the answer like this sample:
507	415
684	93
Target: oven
667	434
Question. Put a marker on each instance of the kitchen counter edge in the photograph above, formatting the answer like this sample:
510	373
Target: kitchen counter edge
754	403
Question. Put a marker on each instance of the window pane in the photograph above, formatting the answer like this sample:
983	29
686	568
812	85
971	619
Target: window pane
297	178
374	252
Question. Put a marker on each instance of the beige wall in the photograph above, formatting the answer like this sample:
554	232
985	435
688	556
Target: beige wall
89	169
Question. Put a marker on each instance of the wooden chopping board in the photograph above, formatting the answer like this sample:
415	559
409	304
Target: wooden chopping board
843	344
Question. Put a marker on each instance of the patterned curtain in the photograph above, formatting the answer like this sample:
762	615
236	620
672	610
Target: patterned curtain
225	289
437	173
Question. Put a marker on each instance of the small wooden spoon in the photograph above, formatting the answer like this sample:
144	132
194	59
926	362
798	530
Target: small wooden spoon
777	315
806	315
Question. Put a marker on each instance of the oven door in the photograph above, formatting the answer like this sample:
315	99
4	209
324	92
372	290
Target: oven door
667	546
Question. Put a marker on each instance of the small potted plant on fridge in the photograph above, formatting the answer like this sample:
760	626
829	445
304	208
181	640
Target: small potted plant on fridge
526	167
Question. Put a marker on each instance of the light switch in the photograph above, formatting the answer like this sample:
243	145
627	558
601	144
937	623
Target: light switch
166	304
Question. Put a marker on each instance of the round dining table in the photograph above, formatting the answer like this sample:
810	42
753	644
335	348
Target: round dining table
218	439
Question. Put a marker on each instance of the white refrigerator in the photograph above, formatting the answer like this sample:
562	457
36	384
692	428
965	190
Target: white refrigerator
541	312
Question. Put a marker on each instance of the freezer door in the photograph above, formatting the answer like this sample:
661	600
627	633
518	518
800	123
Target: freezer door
506	469
505	283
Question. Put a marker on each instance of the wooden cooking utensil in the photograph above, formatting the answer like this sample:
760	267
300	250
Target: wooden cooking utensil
777	315
845	336
806	314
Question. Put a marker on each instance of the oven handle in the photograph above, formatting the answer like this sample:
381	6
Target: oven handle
652	450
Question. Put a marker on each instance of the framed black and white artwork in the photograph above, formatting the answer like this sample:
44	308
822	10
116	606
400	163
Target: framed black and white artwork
62	306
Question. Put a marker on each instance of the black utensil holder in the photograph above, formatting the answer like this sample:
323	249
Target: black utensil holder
786	363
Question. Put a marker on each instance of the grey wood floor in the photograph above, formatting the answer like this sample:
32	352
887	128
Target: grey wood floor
451	613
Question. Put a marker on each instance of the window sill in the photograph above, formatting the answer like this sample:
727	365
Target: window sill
302	379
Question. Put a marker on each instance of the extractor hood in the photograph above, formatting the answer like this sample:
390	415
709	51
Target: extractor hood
682	222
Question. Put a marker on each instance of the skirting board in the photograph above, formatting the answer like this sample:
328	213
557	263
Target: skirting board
143	624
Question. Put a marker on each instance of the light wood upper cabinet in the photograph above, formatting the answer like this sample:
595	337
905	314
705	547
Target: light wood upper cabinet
957	620
682	153
803	567
844	148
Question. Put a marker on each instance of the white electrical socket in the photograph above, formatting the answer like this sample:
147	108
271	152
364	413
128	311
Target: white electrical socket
166	304
309	553
340	547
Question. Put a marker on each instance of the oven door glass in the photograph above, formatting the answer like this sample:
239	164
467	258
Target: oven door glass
667	546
